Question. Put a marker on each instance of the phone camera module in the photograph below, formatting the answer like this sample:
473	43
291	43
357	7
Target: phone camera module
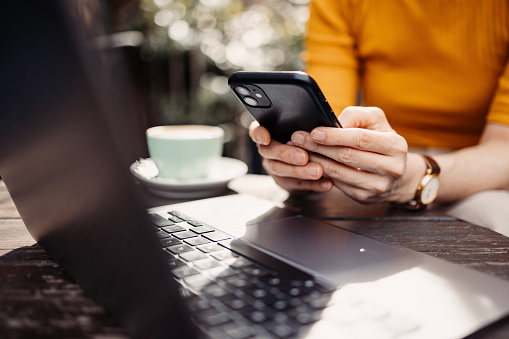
242	90
251	101
251	95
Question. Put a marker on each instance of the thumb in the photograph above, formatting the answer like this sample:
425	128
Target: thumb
372	118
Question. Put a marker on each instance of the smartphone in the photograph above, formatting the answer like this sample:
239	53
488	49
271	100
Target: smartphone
283	102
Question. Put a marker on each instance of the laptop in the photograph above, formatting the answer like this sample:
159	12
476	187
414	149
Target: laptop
228	267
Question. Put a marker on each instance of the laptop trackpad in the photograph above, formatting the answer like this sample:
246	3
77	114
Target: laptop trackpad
327	252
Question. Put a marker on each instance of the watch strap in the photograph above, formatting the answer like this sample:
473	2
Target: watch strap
431	164
432	168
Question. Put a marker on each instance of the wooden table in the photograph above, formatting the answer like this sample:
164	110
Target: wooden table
39	300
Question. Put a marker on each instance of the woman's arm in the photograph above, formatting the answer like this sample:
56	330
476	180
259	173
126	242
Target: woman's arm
478	168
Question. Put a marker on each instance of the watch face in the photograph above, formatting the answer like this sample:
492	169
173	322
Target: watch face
429	192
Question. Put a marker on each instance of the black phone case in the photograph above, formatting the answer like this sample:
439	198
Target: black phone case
295	102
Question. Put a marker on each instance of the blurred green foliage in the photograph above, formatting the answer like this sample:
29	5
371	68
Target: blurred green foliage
206	40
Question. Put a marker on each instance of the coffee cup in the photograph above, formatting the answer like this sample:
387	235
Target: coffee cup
185	151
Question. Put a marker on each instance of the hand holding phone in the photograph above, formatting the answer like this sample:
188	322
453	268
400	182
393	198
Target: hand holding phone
283	102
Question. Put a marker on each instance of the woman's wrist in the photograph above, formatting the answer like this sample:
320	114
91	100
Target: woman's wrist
406	186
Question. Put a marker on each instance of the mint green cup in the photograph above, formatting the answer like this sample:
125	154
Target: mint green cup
185	151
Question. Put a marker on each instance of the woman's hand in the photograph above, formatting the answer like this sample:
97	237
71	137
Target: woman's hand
287	164
366	159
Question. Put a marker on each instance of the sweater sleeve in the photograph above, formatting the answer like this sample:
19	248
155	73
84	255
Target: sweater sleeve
330	55
499	110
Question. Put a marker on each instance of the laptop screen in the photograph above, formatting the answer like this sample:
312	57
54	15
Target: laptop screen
66	139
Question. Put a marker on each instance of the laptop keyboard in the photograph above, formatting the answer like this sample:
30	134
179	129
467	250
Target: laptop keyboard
232	296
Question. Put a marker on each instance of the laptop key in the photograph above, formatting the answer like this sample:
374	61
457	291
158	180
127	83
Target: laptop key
216	291
197	303
267	301
304	315
206	264
174	262
159	220
238	281
173	228
258	293
176	249
219	272
296	291
216	236
256	272
223	255
192	256
254	315
281	330
202	229
235	331
212	317
161	234
317	301
184	235
280	305
210	248
198	282
175	219
195	223
271	280
178	215
184	271
196	241
234	302
169	242
239	262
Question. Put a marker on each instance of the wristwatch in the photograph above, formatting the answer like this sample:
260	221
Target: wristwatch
428	186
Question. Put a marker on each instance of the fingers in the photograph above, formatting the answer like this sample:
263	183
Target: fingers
381	154
284	153
358	184
372	118
367	141
259	134
294	185
310	171
358	138
387	143
288	164
273	150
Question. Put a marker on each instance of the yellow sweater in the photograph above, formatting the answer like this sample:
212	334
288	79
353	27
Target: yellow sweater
438	68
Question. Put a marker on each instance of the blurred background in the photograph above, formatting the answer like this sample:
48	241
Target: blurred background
181	52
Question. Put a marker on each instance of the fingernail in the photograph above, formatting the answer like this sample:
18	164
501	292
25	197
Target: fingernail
313	171
259	138
325	185
298	157
298	138
318	135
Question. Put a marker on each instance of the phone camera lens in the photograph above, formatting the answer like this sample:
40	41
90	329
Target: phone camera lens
251	101
242	90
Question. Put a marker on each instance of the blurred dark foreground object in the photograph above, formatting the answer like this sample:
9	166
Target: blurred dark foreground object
67	136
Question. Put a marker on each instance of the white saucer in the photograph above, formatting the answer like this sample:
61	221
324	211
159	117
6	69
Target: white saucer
145	171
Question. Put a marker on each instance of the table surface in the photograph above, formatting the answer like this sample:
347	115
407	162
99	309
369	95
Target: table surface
40	300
